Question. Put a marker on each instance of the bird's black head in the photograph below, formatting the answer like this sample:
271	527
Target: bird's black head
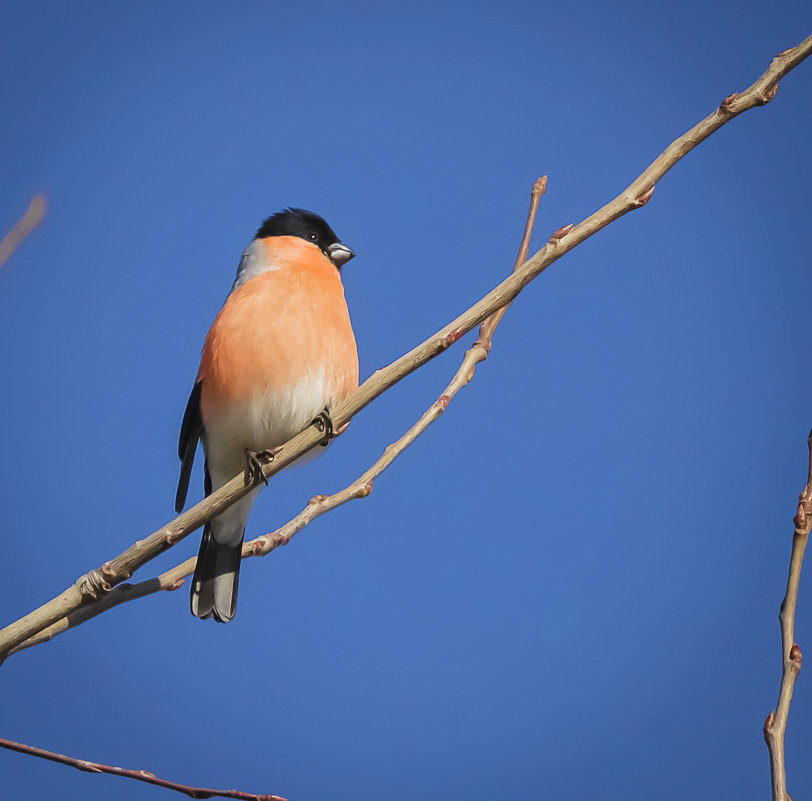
310	227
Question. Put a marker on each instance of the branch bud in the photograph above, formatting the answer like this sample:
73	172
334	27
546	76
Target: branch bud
561	233
644	198
769	94
452	336
801	519
442	402
725	105
258	547
540	187
795	656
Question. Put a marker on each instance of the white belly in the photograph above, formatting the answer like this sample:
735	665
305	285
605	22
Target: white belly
261	423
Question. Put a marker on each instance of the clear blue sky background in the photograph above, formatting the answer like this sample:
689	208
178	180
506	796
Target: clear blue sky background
569	586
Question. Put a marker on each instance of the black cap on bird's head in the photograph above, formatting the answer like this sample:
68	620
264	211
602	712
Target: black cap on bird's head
310	227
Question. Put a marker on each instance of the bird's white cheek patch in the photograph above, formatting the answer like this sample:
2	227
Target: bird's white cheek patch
252	263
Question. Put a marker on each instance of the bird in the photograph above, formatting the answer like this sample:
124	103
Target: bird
278	355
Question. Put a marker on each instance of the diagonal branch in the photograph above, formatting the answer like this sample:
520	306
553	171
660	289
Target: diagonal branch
138	775
320	504
101	580
24	226
775	726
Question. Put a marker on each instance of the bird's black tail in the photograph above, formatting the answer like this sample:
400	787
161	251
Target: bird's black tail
217	574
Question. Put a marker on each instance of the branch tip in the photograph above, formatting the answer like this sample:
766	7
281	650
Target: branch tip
539	187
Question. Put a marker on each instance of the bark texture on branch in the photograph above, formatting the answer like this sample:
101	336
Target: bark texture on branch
97	582
775	726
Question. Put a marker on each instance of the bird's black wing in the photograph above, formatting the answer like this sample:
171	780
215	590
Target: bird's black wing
190	431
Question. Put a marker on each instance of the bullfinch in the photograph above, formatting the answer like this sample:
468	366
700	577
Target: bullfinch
280	353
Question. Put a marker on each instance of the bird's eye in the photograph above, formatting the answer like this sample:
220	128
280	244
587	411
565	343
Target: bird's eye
312	236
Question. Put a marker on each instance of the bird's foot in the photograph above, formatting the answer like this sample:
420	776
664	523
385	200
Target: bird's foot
325	424
255	461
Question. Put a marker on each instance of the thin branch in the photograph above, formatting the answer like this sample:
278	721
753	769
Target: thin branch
320	504
24	226
775	726
487	328
138	775
117	570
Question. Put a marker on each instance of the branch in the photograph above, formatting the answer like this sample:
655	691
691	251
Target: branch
775	726
138	775
25	225
320	504
100	581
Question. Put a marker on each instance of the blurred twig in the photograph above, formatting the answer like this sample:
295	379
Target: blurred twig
25	225
320	504
138	775
775	726
100	581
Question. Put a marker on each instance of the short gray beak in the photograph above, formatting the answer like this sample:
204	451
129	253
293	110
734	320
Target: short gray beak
339	254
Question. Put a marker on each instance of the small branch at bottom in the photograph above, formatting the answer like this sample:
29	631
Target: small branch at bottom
138	775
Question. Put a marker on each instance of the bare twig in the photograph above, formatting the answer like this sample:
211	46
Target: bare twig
138	775
24	226
487	328
320	504
117	570
775	726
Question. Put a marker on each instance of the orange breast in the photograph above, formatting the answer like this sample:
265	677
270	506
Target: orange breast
279	329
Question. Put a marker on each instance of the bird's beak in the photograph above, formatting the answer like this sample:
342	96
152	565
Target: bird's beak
340	254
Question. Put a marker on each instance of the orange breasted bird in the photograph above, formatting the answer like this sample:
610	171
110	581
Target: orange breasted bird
279	354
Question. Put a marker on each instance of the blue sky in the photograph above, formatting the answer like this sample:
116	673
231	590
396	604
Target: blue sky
570	585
